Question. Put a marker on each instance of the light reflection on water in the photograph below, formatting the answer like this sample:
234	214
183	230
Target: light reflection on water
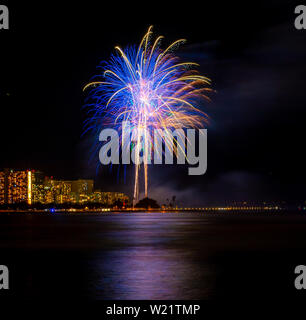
146	263
148	273
151	256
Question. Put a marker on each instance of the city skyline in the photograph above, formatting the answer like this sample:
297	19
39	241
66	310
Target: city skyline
33	187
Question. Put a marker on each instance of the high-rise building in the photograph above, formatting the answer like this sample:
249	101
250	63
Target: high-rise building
62	191
2	187
15	186
48	191
81	186
38	187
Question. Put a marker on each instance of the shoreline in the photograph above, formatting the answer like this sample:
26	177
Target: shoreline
143	210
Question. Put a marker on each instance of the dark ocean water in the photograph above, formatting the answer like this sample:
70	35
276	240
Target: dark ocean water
152	256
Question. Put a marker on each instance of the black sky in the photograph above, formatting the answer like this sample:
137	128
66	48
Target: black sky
252	53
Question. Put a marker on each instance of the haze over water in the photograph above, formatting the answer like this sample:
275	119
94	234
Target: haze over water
152	255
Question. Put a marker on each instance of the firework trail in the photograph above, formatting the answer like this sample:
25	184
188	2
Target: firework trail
152	89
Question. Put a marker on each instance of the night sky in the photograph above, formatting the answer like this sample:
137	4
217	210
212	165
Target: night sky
252	52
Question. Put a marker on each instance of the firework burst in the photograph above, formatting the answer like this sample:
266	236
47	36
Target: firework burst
152	89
